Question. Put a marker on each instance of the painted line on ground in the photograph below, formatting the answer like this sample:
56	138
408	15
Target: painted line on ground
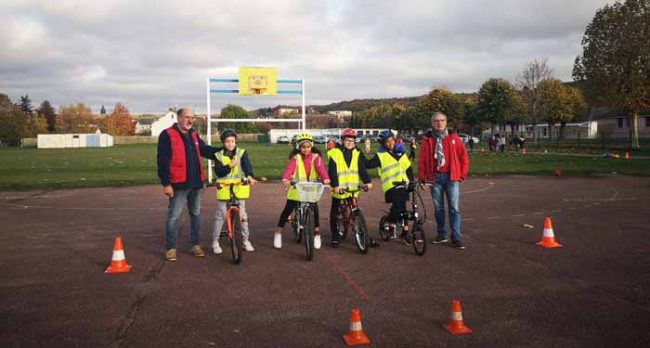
348	278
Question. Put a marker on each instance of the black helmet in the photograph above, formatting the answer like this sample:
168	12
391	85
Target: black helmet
227	133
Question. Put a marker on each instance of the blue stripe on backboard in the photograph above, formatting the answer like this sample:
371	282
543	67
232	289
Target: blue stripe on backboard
224	91
289	92
289	81
223	80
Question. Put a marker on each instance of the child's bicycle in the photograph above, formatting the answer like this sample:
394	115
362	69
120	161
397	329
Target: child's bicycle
233	221
350	218
304	217
416	235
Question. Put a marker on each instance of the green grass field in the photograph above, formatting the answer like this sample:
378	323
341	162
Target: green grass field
136	164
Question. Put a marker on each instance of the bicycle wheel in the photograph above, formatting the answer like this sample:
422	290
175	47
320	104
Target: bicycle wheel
361	232
308	231
237	240
419	239
294	227
342	223
384	230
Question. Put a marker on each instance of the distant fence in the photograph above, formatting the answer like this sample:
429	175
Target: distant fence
146	139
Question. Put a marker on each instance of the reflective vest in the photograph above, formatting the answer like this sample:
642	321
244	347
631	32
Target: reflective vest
235	175
301	175
178	162
391	170
348	176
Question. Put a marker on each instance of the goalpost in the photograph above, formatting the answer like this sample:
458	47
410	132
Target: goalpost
253	81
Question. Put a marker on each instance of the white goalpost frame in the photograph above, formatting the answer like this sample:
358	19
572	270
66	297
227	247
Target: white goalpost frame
302	122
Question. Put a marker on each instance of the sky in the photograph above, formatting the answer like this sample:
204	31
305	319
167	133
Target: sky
152	55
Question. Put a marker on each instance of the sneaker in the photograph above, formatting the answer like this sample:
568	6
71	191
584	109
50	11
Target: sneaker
440	240
198	251
277	241
170	255
248	246
335	244
317	242
216	248
457	245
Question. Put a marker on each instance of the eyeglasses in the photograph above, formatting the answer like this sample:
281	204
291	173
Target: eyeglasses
348	140
439	121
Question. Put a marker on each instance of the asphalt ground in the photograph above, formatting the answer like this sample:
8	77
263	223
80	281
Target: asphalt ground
593	292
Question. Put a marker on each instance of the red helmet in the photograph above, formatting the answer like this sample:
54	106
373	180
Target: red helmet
349	133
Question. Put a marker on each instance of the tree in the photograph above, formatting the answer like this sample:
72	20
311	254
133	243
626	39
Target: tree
559	103
236	111
439	100
498	102
528	81
26	105
13	124
102	111
119	122
75	118
47	111
615	62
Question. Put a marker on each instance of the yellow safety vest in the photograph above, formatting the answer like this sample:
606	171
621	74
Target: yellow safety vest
348	176
300	175
391	170
235	175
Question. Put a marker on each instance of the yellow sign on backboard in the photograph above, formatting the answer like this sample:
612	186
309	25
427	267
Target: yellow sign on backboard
258	80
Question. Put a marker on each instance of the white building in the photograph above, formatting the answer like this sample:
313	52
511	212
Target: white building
163	123
577	130
340	113
58	141
143	125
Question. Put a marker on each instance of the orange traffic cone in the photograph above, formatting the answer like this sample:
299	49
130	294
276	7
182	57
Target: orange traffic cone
627	155
355	336
456	326
548	237
557	172
118	262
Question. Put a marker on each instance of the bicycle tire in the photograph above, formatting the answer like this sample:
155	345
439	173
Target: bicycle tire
385	234
419	239
308	231
237	240
361	236
294	227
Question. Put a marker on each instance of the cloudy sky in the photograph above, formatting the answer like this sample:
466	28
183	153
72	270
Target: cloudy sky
151	55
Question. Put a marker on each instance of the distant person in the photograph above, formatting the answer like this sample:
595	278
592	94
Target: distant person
502	143
231	166
443	159
471	143
181	174
493	142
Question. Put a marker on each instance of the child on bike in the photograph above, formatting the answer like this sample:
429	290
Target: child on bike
305	164
347	170
231	165
393	167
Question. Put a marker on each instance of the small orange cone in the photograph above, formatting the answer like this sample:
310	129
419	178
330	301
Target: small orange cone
627	155
557	172
456	326
118	261
355	336
548	237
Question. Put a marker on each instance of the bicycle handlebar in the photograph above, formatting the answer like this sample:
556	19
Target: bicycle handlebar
244	181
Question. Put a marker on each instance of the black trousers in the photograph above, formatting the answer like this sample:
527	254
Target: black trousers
289	207
333	219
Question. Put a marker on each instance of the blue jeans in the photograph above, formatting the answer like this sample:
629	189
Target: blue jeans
445	187
176	204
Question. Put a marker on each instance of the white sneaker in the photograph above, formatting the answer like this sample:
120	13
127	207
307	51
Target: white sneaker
317	242
248	246
216	248
277	241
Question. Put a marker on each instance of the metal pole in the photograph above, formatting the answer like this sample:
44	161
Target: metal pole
302	94
208	127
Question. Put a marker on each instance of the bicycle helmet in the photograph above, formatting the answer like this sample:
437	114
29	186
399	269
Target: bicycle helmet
302	138
349	133
227	133
384	135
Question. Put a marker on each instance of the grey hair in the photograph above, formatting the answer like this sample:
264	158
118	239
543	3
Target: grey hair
437	113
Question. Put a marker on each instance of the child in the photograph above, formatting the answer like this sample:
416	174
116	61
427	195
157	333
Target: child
346	169
305	164
231	165
392	167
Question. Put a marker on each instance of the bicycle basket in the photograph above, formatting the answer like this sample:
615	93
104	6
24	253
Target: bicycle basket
309	191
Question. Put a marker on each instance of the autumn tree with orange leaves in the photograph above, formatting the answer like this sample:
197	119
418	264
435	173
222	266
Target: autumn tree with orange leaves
119	122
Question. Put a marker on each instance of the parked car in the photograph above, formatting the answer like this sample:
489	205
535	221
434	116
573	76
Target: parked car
465	138
283	139
319	139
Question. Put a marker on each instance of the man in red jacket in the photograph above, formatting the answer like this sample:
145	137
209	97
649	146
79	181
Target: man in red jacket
443	159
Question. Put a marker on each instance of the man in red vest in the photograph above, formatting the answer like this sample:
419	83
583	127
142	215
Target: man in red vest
181	174
443	159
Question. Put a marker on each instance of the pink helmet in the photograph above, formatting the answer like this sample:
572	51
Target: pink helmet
349	133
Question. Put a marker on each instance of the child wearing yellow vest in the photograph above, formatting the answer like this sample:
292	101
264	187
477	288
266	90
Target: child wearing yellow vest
231	165
347	170
305	164
392	167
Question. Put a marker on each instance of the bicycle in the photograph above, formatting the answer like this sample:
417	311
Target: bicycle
350	218
304	219
415	235
233	221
